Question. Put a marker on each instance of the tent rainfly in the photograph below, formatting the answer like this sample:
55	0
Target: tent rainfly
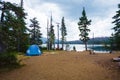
33	50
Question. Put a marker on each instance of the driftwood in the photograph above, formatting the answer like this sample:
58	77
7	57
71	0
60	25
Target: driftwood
117	59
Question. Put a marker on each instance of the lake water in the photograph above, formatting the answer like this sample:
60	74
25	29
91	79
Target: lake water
81	47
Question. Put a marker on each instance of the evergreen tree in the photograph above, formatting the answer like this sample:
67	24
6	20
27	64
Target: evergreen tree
83	28
51	35
35	32
63	31
13	26
116	35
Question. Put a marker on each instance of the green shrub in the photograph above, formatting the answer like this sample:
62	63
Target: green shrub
8	59
43	48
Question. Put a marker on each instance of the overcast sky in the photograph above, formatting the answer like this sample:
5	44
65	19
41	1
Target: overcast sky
99	11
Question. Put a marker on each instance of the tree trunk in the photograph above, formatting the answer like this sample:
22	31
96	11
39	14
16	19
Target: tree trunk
50	45
86	46
54	45
2	14
62	45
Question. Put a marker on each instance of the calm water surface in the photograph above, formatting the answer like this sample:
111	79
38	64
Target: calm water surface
81	47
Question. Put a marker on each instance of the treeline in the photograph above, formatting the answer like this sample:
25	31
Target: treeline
97	40
12	27
115	38
14	34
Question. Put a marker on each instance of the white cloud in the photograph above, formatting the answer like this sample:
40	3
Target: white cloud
105	3
13	1
72	30
42	13
101	24
101	17
101	27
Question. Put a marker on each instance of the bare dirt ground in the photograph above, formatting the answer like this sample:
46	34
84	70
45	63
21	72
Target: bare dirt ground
66	66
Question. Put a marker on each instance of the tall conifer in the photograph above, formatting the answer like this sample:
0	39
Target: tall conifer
83	28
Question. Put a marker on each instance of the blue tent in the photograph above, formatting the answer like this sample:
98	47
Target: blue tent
33	50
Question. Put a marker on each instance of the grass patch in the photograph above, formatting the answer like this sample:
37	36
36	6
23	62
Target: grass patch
10	61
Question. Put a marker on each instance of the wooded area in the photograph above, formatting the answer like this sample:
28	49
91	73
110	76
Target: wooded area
15	35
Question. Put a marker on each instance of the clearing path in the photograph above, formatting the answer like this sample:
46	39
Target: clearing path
65	66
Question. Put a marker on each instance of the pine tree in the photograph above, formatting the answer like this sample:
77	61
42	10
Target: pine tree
51	35
83	28
116	35
13	27
35	32
63	31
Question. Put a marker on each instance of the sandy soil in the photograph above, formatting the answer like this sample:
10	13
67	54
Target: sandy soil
66	66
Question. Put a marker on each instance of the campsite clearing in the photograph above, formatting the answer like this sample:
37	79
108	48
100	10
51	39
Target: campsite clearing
66	66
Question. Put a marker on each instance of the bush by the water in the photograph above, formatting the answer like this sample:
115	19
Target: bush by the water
8	60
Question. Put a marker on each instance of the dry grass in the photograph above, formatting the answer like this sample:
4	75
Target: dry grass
66	66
